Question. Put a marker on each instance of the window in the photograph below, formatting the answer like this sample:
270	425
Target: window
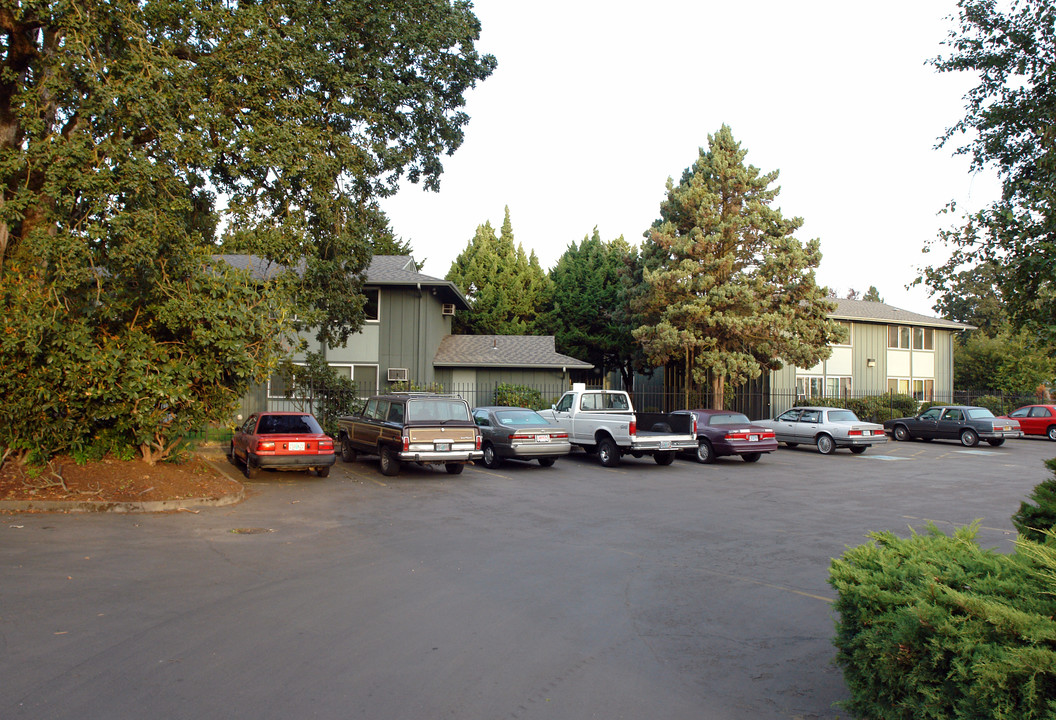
923	338
898	337
1040	412
811	416
790	416
923	389
565	404
931	414
837	387
372	305
847	330
953	414
1021	412
898	385
808	386
480	417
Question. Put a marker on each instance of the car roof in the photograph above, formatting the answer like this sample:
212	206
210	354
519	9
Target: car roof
501	407
816	407
712	411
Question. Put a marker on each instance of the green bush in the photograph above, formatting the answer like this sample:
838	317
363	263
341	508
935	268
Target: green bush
934	627
519	396
873	408
1033	520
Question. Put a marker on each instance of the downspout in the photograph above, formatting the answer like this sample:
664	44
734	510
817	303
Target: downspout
418	340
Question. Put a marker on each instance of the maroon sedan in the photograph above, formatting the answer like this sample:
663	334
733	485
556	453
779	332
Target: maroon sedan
724	432
283	441
1036	420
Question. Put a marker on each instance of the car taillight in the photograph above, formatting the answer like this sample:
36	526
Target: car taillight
634	426
854	432
265	445
519	436
406	443
478	441
736	436
559	436
327	444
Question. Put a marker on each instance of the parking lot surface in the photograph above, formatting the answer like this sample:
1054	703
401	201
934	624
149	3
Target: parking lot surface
575	591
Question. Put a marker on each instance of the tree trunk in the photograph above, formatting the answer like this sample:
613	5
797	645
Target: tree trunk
718	391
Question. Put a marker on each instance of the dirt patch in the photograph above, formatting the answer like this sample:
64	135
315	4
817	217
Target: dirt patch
115	481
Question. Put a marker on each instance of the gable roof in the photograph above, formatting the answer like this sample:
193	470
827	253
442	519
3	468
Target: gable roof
525	351
384	270
868	311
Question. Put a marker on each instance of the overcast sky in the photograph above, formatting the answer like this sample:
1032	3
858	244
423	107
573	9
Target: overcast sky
595	104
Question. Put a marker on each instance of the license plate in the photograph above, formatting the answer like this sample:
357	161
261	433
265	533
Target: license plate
542	438
297	446
443	446
665	444
753	438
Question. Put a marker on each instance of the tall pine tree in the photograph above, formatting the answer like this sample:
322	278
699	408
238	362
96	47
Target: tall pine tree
729	290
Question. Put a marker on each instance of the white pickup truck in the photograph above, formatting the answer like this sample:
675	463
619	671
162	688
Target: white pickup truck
603	421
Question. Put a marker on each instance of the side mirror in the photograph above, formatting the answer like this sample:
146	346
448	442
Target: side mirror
553	406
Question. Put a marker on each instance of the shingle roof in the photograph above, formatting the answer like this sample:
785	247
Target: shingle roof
883	313
526	351
383	270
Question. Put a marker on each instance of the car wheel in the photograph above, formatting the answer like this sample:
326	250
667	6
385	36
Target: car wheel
826	446
454	468
791	445
231	454
390	464
348	453
664	458
323	471
900	433
705	453
1051	432
250	470
751	457
996	442
969	438
858	449
608	453
547	462
491	460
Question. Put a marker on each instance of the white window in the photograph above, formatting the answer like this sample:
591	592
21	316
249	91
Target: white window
898	385
817	386
898	337
924	390
923	338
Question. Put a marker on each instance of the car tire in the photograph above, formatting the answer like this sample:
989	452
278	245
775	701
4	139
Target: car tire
608	453
454	468
1051	432
858	449
547	462
388	462
900	433
751	457
250	470
996	442
231	454
323	471
491	460
705	453
348	453
969	438
826	445
664	458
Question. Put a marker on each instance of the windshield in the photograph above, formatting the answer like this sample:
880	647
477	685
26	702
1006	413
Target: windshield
730	419
288	425
520	417
979	413
437	410
842	416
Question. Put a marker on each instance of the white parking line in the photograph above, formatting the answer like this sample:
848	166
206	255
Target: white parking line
976	452
883	457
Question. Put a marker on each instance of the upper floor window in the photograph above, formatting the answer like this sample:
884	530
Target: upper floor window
923	338
847	333
370	308
898	337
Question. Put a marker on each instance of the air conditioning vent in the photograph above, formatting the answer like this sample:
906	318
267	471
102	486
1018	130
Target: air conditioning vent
397	374
448	309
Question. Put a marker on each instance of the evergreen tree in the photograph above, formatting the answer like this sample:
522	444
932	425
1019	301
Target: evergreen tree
729	290
590	313
872	295
507	287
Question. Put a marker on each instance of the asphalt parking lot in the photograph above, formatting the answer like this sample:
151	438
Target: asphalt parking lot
575	591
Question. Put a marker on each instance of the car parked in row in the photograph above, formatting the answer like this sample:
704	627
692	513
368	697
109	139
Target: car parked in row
516	433
282	441
966	423
826	427
1035	420
725	432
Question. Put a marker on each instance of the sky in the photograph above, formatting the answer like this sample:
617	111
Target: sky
594	105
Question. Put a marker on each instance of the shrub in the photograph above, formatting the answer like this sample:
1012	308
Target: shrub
874	408
935	627
519	396
1033	520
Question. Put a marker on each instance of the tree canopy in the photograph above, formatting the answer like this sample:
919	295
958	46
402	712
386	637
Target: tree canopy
138	137
1009	122
506	287
590	314
729	290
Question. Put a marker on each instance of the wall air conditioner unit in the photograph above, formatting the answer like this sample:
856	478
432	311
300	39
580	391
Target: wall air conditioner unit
448	309
397	374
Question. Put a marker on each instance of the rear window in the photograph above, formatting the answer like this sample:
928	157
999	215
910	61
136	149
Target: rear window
730	419
842	416
437	410
288	425
979	413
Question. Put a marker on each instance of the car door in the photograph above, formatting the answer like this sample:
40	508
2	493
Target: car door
808	425
1040	419
1026	422
926	425
950	423
785	425
482	418
243	437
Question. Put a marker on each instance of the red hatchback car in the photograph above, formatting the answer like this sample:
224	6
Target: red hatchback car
1036	420
284	441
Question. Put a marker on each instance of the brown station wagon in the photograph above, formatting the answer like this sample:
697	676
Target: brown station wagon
425	428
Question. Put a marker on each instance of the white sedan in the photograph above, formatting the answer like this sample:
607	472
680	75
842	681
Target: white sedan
828	428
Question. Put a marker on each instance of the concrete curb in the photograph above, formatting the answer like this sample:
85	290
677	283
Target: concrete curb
146	506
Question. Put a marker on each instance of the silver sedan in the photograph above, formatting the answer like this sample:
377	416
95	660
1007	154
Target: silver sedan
519	434
828	428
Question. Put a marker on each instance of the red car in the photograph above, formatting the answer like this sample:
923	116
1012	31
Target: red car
1036	420
725	432
283	441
